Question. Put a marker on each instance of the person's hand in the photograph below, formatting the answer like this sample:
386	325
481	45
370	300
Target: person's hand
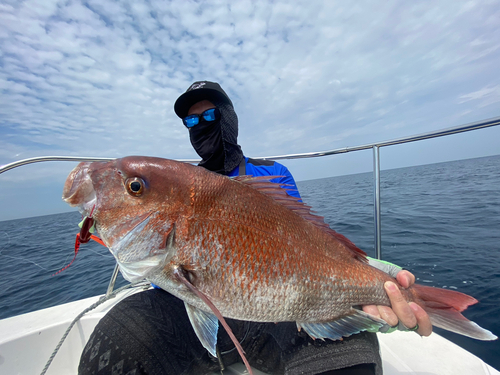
410	314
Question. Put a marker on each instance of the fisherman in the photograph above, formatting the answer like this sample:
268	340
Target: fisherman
150	332
208	114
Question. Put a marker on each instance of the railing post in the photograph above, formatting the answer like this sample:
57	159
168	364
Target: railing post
376	216
111	285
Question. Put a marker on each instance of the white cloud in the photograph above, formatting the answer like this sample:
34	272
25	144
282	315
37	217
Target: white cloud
100	77
487	95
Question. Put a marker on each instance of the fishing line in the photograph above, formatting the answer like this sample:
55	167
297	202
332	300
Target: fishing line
8	242
24	260
109	256
242	340
63	263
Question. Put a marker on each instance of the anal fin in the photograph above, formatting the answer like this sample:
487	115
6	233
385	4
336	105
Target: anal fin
205	326
345	326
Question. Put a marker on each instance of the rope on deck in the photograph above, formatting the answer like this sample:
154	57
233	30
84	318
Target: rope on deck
79	316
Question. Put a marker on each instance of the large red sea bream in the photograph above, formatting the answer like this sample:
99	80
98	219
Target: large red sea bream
254	252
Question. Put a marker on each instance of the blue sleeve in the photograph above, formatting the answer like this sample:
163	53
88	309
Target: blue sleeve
287	179
256	168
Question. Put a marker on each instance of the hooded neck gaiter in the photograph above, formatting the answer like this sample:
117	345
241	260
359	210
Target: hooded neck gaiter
216	143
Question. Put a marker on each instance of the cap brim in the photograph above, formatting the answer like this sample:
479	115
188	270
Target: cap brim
186	100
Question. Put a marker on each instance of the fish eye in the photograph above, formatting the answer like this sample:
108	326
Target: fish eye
135	186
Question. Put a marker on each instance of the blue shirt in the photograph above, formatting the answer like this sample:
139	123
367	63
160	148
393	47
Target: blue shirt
258	168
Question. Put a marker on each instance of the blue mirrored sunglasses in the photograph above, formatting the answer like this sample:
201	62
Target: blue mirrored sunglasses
209	115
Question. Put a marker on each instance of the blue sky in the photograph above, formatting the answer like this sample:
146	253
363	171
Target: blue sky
99	78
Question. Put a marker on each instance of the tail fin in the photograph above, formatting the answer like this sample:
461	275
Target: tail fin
444	306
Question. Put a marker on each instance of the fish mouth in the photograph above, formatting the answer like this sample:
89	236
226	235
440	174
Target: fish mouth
130	237
78	189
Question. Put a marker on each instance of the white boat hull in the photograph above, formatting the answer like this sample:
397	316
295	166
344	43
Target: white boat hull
27	341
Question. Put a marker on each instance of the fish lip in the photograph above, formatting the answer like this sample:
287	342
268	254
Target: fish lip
79	190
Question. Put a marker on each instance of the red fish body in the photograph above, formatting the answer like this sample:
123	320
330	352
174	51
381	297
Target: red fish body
255	252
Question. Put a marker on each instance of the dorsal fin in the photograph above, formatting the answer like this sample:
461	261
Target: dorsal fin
278	193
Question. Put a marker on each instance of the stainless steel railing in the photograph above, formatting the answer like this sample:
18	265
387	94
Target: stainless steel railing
376	166
376	161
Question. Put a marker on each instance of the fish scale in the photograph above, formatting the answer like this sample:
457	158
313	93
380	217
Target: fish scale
245	246
240	238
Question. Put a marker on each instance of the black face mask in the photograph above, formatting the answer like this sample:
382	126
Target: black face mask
216	142
206	139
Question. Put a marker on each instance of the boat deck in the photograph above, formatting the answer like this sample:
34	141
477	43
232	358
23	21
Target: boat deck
27	341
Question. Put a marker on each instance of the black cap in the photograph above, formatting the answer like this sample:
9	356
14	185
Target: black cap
201	90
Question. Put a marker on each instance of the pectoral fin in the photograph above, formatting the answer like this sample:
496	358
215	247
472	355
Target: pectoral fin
180	274
205	326
348	325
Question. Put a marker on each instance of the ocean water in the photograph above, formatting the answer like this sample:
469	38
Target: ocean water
440	221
